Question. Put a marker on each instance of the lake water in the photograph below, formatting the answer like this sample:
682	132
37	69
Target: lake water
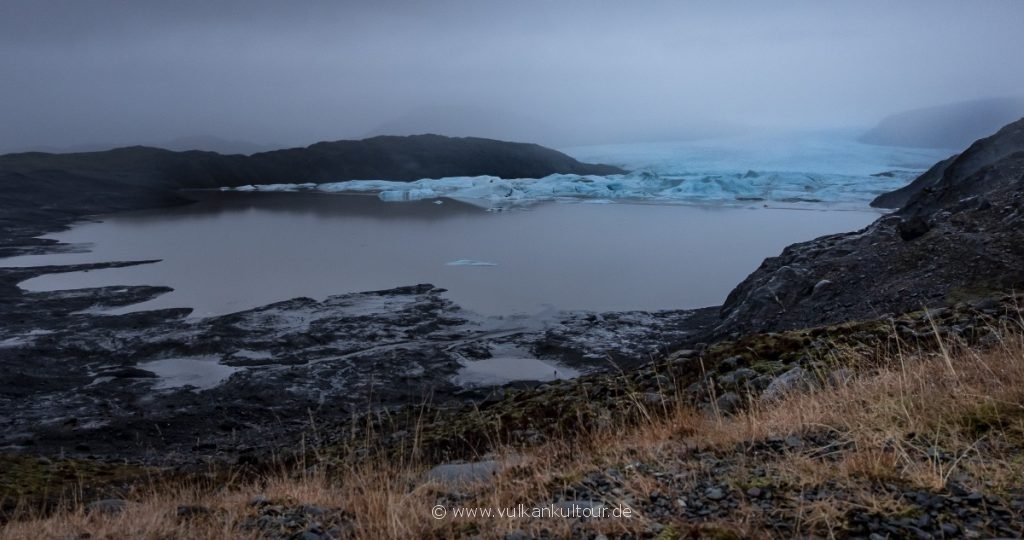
233	251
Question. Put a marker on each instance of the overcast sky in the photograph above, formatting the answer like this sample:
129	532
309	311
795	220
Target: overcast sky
561	72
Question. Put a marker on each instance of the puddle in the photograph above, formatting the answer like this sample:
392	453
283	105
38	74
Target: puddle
495	371
202	373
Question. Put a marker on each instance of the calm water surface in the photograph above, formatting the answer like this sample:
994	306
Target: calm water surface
234	251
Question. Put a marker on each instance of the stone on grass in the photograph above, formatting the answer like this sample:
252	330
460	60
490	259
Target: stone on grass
796	379
728	402
108	507
457	474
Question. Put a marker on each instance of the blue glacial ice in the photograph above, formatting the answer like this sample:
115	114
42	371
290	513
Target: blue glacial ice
830	168
469	262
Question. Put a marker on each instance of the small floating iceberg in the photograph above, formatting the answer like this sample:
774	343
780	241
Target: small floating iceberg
469	262
272	187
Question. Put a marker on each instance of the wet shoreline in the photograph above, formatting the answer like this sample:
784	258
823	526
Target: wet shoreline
77	385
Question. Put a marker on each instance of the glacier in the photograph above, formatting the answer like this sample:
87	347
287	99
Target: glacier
803	169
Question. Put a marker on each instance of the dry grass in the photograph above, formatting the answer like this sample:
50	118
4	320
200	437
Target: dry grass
914	420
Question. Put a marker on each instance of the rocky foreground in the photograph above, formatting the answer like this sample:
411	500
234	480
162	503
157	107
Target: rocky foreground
904	428
79	384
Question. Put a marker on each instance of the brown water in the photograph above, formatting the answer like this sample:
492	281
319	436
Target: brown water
234	251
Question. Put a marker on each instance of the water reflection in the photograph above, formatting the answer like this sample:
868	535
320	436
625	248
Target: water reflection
234	251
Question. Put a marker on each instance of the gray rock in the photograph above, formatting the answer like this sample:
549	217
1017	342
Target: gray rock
736	379
910	229
765	301
743	375
653	398
760	382
728	402
821	289
259	500
731	363
457	474
796	379
841	376
106	506
727	381
312	510
714	493
193	511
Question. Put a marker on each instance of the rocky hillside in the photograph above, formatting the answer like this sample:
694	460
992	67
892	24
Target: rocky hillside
960	234
959	168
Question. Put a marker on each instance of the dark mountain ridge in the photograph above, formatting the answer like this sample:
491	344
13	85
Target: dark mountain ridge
379	158
40	191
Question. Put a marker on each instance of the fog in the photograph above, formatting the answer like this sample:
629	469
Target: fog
106	72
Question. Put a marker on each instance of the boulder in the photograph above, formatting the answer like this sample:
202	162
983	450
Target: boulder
912	228
457	474
794	380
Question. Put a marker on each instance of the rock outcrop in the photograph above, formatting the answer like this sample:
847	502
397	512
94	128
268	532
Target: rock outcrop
960	234
898	198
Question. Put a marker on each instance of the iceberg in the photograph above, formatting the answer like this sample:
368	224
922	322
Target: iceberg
785	187
272	187
469	262
816	168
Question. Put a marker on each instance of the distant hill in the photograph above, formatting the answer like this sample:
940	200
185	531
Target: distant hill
211	143
38	187
953	126
378	158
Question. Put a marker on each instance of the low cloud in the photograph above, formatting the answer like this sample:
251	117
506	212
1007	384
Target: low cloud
558	72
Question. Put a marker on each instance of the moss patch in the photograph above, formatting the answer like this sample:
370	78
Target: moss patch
41	482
